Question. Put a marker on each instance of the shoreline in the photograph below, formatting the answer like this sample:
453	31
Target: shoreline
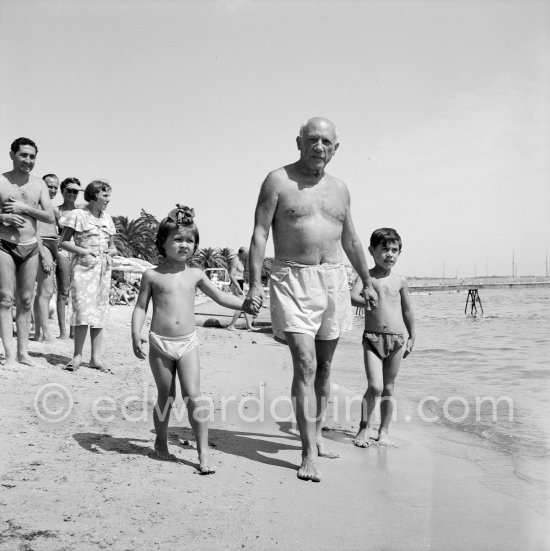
93	482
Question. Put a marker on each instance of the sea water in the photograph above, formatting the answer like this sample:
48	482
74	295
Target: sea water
481	383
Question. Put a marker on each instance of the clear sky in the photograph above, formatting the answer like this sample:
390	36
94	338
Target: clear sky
442	109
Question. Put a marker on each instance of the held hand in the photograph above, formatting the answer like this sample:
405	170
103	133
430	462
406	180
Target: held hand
14	220
408	347
137	345
253	301
13	206
371	297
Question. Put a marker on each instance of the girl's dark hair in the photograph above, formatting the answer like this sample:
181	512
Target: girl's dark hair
168	226
94	188
384	236
68	181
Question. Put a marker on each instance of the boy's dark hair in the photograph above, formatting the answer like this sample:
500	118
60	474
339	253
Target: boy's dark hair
16	144
168	226
94	188
384	236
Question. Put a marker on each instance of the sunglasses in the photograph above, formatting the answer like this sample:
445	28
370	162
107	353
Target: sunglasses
72	191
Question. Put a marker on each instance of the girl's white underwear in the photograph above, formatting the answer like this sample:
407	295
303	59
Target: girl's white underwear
173	348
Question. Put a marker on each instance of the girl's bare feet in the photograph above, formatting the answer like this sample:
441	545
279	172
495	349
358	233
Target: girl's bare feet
205	467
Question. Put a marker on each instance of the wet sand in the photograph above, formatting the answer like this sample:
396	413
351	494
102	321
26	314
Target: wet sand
78	469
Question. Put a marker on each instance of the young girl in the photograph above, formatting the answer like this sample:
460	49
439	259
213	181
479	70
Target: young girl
173	344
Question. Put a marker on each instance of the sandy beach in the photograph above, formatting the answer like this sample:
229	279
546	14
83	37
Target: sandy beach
78	472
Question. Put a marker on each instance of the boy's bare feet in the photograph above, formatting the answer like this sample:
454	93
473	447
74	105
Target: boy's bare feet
231	328
364	439
322	452
384	440
308	470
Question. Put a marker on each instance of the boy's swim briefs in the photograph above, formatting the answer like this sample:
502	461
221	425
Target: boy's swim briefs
382	344
309	299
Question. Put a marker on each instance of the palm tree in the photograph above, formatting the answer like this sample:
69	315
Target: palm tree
210	258
136	238
226	256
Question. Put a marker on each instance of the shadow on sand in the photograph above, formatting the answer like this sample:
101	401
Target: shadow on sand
255	446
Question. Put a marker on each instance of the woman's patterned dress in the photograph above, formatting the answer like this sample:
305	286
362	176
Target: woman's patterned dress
90	276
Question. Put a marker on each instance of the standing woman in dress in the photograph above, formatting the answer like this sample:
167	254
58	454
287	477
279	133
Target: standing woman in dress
70	187
93	248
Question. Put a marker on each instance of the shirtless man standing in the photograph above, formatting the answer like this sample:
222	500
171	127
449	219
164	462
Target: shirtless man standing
309	211
24	200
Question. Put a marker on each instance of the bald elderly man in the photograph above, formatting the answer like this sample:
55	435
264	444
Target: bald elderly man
309	211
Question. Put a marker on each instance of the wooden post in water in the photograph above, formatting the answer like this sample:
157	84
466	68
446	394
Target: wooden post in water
473	294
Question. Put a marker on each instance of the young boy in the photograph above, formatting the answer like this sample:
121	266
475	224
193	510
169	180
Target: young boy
383	340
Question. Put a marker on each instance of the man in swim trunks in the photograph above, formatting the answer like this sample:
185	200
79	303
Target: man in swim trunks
24	200
309	211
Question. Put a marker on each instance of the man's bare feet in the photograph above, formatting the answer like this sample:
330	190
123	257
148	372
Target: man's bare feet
63	337
25	359
364	438
162	451
308	470
9	365
384	440
101	367
231	328
73	365
252	328
205	466
323	452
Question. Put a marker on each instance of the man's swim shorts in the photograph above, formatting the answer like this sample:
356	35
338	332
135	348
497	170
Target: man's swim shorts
309	299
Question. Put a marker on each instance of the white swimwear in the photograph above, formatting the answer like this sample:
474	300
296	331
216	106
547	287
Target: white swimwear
174	348
310	299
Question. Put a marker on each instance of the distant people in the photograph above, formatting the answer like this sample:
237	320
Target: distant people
48	247
24	200
309	211
384	341
70	188
173	344
237	272
93	231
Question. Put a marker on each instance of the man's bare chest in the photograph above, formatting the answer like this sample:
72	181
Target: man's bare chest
28	193
312	203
